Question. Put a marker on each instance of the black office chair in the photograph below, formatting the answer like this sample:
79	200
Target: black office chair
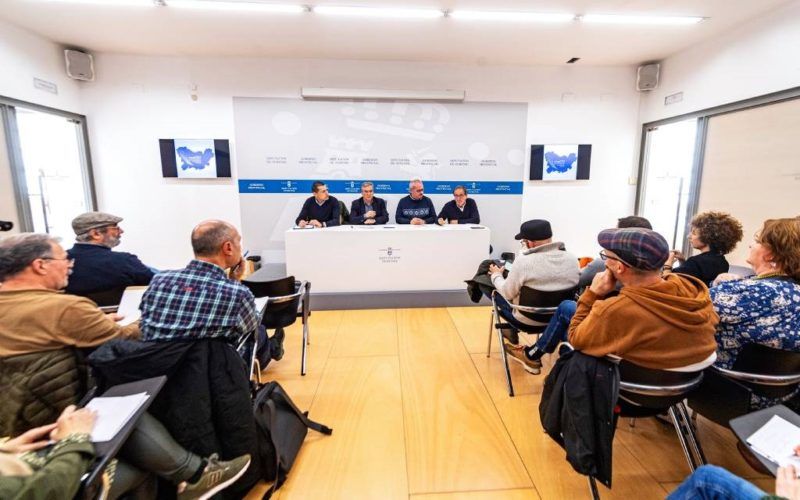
288	300
645	392
758	370
536	305
107	298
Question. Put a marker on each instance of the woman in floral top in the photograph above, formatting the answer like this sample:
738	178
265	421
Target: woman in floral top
764	309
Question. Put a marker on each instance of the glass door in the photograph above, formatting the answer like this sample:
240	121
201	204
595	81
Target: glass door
52	175
668	179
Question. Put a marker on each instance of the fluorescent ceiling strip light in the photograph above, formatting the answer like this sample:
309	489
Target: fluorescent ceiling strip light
495	15
642	20
393	13
322	93
221	5
110	3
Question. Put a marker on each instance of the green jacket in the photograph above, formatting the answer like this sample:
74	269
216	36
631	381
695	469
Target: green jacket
57	477
37	387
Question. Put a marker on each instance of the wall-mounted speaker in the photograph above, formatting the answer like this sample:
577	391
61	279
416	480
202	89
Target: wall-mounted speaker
80	65
647	77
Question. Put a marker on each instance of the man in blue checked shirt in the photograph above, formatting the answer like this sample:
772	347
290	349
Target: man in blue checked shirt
200	301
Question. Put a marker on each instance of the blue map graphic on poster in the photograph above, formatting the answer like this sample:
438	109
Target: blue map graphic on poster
559	163
194	159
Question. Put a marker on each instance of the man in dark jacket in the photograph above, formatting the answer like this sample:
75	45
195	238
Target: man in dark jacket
460	210
97	268
368	209
320	210
416	208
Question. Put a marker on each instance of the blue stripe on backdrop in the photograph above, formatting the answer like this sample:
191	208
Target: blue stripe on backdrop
335	186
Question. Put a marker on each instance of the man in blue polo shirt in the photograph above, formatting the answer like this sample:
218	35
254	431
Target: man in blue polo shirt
98	268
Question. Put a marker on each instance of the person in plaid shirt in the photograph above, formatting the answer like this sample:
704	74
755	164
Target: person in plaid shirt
200	301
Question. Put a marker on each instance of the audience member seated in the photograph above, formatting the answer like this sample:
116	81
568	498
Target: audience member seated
655	322
460	210
712	482
542	264
39	326
714	234
599	265
368	209
764	309
56	472
320	210
416	208
97	268
200	301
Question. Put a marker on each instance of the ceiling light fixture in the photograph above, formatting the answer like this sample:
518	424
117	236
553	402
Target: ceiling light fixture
496	15
642	20
110	3
393	13
222	5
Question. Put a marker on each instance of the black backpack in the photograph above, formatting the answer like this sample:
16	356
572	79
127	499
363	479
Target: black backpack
281	429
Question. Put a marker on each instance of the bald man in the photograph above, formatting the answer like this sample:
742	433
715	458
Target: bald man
200	301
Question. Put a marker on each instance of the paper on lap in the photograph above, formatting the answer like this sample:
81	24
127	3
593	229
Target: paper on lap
129	305
776	440
113	413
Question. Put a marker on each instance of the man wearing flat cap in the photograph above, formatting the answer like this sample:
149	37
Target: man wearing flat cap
97	267
660	322
542	264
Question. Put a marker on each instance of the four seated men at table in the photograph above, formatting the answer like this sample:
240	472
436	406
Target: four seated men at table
461	210
416	208
320	210
368	209
97	268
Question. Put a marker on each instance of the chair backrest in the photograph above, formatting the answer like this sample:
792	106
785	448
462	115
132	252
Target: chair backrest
344	213
757	359
655	389
106	298
531	297
283	300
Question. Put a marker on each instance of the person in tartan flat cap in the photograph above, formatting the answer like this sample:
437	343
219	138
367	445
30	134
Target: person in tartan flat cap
98	269
660	322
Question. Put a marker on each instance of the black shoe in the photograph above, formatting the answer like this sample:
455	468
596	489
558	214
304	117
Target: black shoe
276	344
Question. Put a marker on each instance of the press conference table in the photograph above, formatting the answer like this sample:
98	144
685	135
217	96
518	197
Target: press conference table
386	258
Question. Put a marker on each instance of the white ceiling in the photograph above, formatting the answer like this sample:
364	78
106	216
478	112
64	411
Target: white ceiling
168	31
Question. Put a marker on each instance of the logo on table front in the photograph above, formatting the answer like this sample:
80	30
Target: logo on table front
389	255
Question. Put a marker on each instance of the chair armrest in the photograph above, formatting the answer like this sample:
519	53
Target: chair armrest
661	390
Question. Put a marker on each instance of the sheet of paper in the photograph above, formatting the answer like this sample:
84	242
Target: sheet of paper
261	303
129	305
776	440
113	413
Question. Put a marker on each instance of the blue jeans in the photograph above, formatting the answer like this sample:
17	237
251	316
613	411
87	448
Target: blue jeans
710	482
556	331
507	312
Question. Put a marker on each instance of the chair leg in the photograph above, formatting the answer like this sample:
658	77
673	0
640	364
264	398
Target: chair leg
303	351
700	457
491	329
676	421
504	357
593	488
632	423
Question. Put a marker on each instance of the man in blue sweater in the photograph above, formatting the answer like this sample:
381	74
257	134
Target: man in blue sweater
320	210
97	268
368	209
416	208
461	210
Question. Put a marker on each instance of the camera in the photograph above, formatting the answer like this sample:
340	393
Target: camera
6	225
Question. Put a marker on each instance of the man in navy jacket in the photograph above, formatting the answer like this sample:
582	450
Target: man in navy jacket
98	268
461	210
368	209
320	210
416	208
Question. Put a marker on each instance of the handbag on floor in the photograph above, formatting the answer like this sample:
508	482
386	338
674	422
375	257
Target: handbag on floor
281	428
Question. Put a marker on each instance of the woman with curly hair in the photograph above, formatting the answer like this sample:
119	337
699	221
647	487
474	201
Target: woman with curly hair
714	234
763	309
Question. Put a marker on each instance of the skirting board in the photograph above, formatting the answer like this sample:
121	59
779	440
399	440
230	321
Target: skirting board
391	300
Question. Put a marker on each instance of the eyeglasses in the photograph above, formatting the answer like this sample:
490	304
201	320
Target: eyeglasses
604	256
69	261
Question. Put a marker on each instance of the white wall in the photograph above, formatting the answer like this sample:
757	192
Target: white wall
137	100
757	58
23	56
